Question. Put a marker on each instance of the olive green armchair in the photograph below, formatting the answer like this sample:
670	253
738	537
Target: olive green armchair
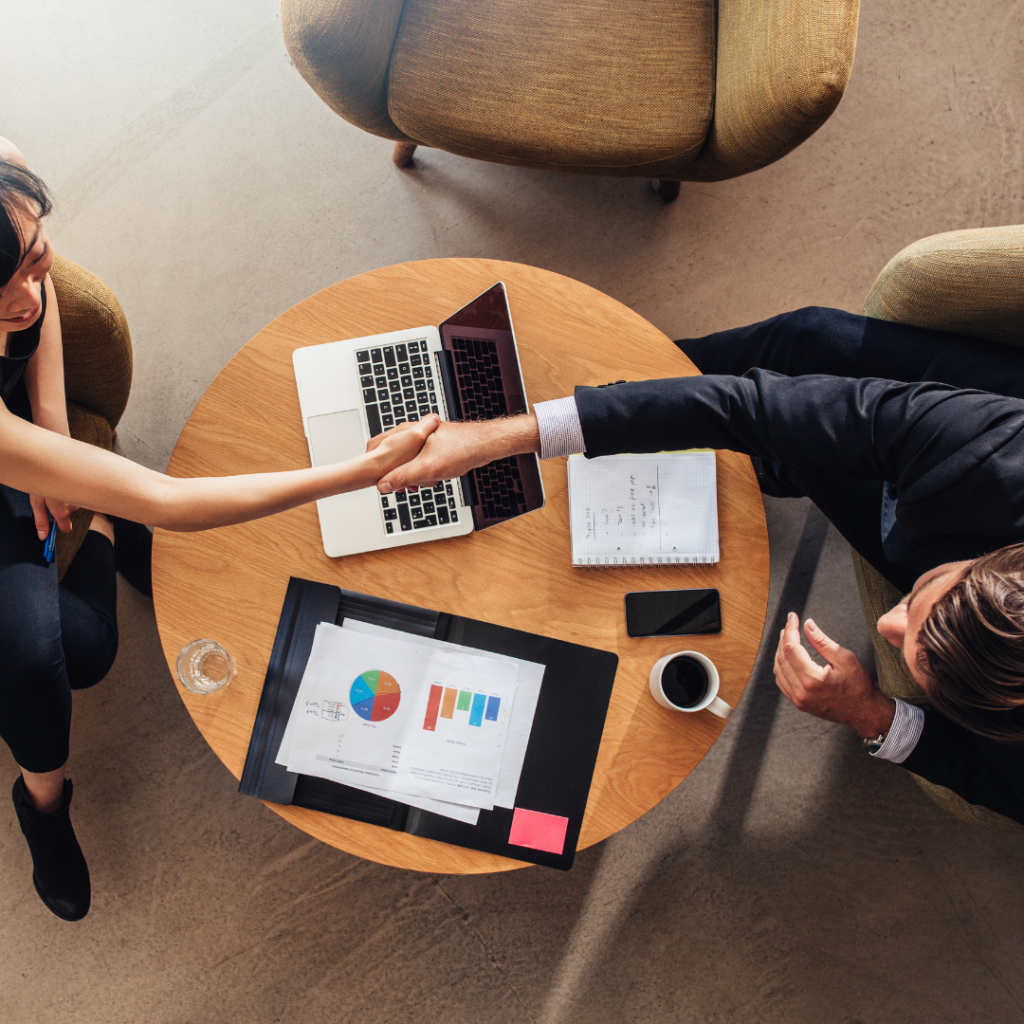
674	90
97	372
965	282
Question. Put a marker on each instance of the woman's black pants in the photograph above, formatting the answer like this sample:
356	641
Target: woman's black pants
830	341
54	638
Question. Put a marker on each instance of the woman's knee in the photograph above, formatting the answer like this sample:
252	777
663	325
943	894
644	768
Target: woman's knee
89	660
31	645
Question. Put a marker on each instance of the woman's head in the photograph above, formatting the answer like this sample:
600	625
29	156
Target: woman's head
25	254
962	634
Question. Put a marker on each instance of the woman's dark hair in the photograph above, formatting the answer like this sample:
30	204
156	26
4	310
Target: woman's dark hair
972	645
24	192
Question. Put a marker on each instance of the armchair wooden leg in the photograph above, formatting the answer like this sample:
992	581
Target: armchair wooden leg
402	155
668	190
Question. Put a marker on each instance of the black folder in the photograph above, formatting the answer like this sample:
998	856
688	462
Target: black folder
560	756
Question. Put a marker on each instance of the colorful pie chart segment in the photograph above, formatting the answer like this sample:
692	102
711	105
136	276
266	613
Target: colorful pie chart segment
375	695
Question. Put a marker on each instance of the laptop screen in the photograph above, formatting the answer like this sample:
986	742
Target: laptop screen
489	311
482	374
483	359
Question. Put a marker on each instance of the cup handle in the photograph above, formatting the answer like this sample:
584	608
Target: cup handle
720	708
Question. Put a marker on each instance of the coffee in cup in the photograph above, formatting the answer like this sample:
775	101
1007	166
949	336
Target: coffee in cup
687	681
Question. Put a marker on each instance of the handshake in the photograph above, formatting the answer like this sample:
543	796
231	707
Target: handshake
422	453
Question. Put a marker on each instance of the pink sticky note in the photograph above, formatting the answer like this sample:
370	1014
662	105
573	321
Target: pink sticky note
538	831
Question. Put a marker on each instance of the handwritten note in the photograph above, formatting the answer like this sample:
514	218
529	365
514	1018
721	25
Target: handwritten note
644	509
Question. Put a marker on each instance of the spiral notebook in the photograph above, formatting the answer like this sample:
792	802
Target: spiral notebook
646	510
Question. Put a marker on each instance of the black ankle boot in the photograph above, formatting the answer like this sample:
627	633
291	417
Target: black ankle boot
60	874
133	552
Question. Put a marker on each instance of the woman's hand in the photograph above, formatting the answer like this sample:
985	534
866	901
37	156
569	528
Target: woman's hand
401	444
60	511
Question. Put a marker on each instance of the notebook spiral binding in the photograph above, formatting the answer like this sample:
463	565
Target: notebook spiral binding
661	562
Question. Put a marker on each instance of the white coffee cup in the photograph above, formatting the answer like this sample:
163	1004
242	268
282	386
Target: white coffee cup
711	701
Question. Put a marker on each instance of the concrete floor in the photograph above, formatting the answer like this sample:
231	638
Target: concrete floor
790	878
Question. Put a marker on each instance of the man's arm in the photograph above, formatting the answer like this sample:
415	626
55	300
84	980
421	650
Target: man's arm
926	438
981	771
868	428
921	741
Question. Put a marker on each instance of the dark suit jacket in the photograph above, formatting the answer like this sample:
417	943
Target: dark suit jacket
954	460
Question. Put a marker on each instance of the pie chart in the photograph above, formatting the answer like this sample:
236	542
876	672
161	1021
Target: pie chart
375	695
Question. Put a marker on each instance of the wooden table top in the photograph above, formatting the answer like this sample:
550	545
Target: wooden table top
229	584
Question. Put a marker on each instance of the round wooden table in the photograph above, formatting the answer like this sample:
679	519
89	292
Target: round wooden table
229	583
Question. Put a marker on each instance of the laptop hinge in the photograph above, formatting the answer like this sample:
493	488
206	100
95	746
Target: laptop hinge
453	414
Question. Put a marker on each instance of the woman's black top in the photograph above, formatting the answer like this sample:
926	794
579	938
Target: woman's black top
21	347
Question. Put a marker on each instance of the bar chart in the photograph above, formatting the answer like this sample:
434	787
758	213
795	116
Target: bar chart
448	702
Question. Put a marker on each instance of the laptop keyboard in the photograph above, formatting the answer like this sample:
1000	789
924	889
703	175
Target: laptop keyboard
479	379
499	488
399	384
419	510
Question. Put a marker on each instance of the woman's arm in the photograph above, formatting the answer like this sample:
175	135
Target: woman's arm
44	375
44	381
41	461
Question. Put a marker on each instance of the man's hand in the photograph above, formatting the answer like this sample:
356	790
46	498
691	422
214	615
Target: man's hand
841	691
400	444
455	448
60	511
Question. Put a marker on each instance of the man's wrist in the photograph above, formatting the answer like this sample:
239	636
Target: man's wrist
878	721
513	435
902	737
558	428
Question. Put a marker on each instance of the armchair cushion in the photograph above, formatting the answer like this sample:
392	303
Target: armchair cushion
783	66
620	87
97	345
967	282
342	48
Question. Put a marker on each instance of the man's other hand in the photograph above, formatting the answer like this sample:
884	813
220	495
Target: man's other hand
455	448
840	691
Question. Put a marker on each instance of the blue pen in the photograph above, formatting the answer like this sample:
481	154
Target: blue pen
50	541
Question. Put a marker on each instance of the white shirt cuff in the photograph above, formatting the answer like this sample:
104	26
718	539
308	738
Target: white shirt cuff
560	429
906	730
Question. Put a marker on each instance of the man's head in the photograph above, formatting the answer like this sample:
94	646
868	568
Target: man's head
961	630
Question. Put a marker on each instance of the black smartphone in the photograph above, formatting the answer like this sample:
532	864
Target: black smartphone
672	612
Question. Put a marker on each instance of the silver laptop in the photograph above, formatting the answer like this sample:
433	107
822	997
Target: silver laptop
465	369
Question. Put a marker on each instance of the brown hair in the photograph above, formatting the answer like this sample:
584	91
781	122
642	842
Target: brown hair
20	190
972	645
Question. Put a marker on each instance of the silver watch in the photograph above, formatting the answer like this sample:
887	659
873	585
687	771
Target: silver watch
875	745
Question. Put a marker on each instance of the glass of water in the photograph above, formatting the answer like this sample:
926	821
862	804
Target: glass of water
204	666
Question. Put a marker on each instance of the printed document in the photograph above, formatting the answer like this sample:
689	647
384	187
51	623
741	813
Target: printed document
401	717
531	675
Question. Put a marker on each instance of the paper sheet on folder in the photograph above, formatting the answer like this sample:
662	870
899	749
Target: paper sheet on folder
401	717
524	707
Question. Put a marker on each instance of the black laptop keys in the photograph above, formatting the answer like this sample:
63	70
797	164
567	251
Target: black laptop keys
399	385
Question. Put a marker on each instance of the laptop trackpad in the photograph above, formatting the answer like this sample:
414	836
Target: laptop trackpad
335	436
